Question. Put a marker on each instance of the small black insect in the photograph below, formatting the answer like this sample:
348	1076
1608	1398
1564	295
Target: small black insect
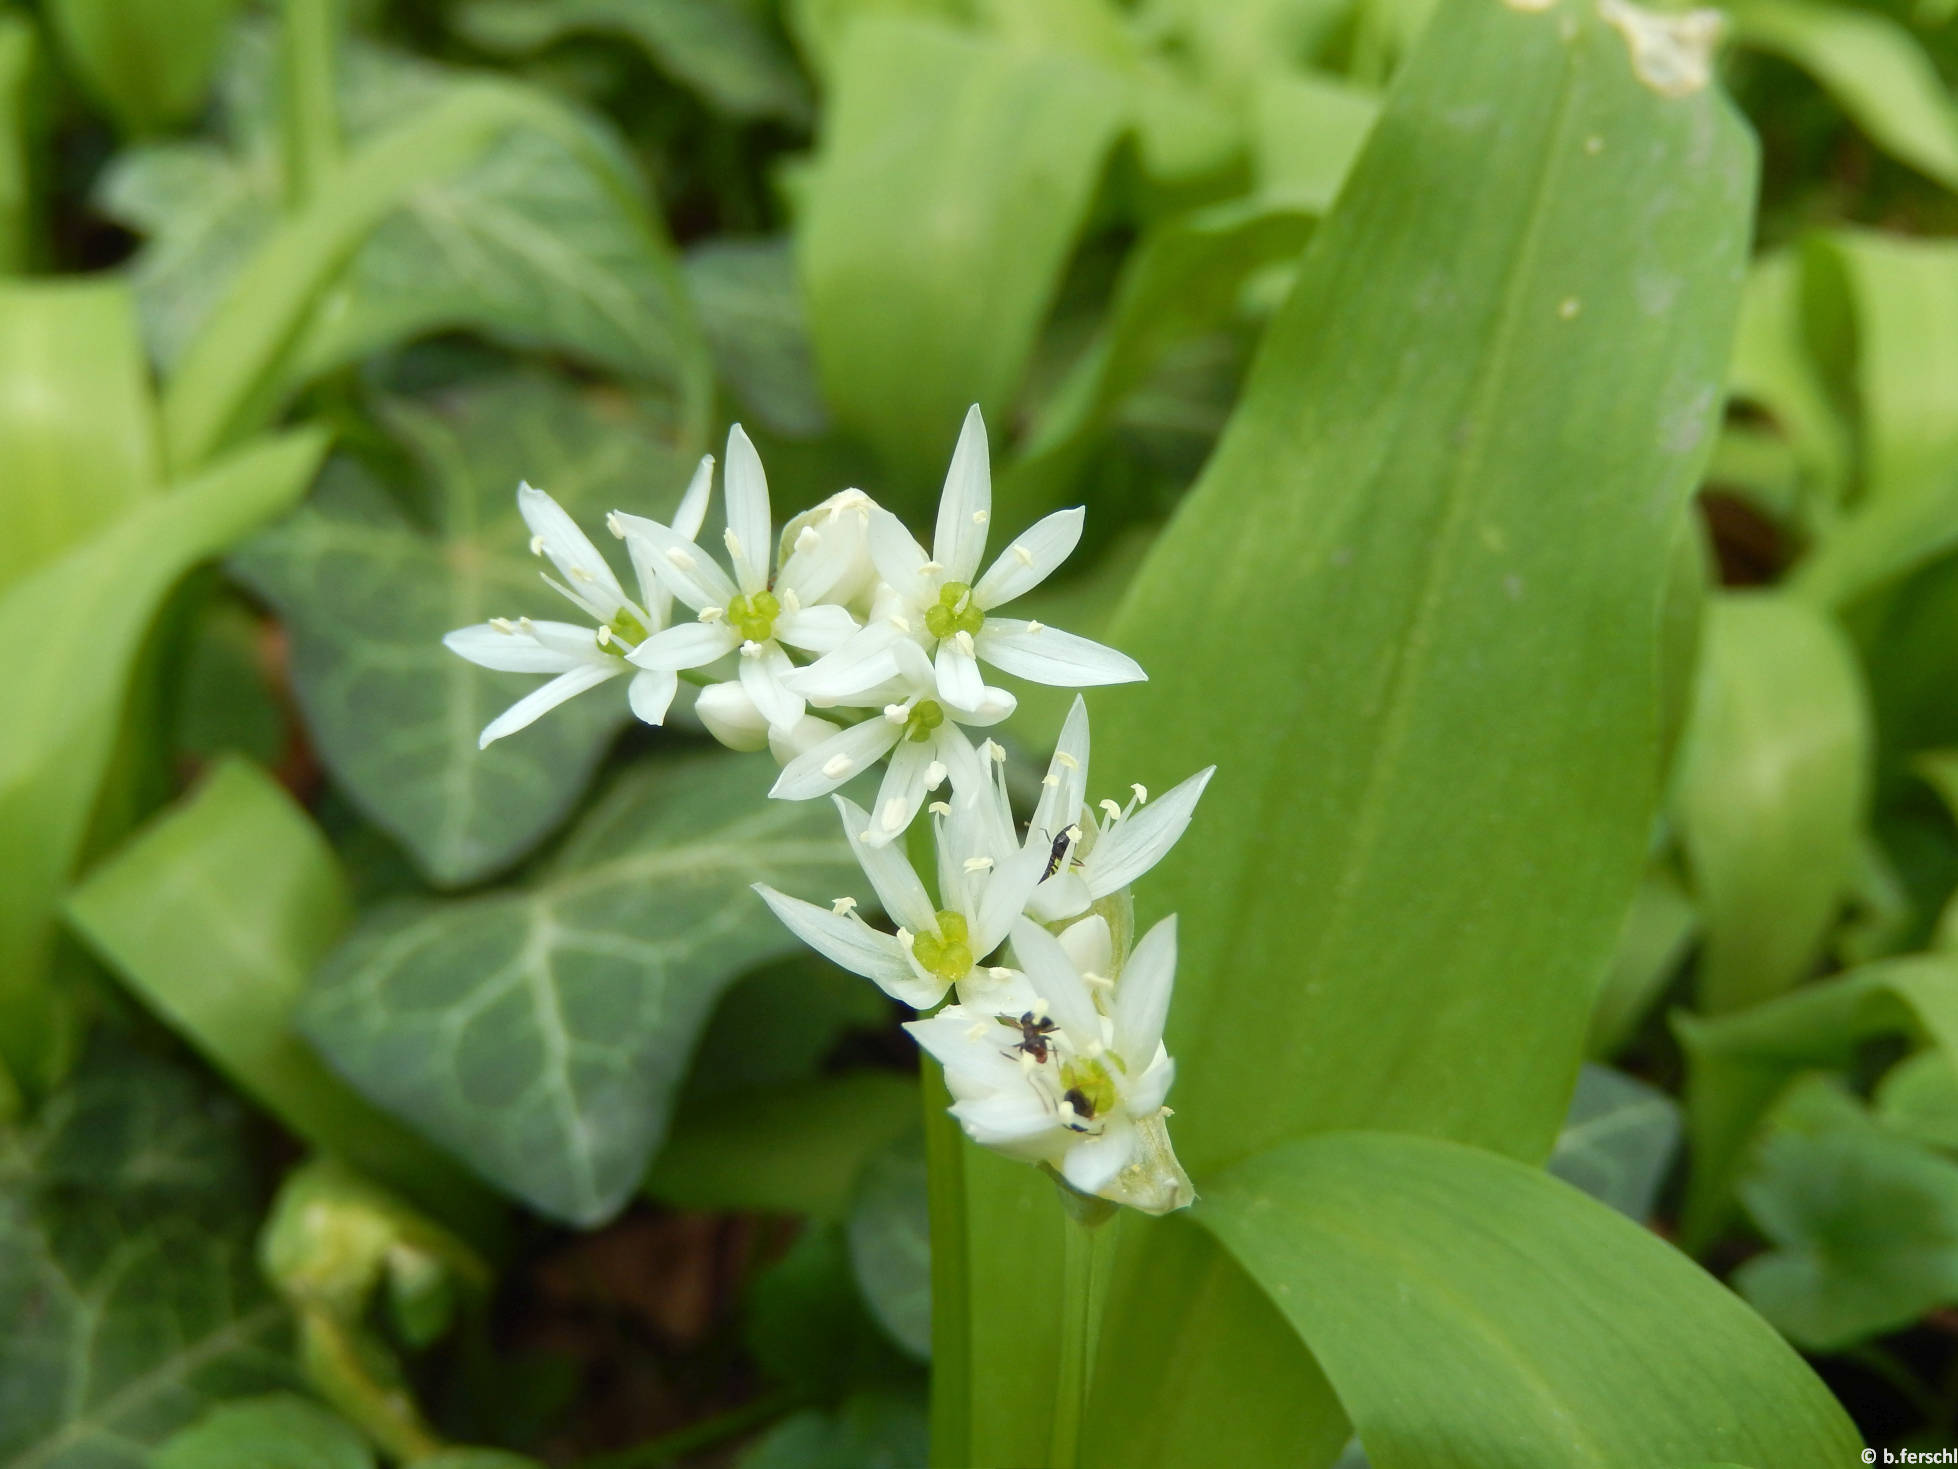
1033	1034
1059	854
1083	1108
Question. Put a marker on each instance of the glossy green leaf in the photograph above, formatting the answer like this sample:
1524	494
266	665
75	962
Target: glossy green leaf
719	48
793	1149
1549	1330
1774	368
148	61
75	415
751	313
869	1431
1659	928
1619	1139
1432	548
1874	68
539	1032
1900	299
69	634
1771	793
808	1329
126	1275
1863	1225
889	1234
954	175
1918	1098
1309	129
216	914
276	1432
366	590
1738	1064
20	71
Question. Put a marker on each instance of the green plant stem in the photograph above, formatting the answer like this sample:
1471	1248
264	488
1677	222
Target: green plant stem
1079	1327
684	1443
309	119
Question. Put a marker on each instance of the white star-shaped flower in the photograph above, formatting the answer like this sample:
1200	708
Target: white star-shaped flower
1077	1080
749	614
936	947
581	657
924	737
941	604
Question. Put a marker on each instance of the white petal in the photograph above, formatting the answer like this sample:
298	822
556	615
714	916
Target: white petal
825	556
526	711
1061	896
950	748
1064	790
854	945
1090	945
762	672
902	792
1142	995
900	559
747	512
864	662
1057	981
799	738
1093	1163
1051	656
685	645
591	582
1004	898
823	628
488	646
966	503
1136	843
692	510
1014	1122
683	568
821	770
959	683
731	716
1144	1094
1031	559
994	706
651	695
898	888
997	990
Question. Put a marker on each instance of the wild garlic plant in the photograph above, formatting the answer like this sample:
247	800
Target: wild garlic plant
1052	1039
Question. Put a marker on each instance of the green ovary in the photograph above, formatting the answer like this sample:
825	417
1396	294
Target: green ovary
1091	1080
628	632
754	617
954	612
925	716
947	953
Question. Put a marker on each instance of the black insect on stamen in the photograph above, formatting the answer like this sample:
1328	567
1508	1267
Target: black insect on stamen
1033	1034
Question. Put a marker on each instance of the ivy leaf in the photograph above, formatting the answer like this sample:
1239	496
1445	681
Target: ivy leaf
126	1271
752	314
539	1032
890	1243
1618	1140
274	1432
533	244
366	593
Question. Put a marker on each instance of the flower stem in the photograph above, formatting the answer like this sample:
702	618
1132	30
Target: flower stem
1078	1330
309	112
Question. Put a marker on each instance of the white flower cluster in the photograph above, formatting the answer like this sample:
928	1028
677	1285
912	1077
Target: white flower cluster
1052	1045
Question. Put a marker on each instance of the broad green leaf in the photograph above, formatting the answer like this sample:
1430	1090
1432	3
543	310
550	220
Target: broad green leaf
275	1432
539	1032
1774	368
20	68
819	26
1618	1141
1863	1226
126	1275
216	914
778	1027
1900	297
1309	130
869	1431
890	1241
1872	66
69	634
1738	1064
227	703
1660	926
1771	793
75	416
148	61
1412	613
1183	278
719	48
366	592
1918	1098
807	1327
793	1149
953	177
1549	1330
466	202
751	313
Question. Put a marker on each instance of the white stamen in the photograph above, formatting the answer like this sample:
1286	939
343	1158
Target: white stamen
605	637
503	625
978	864
712	615
1034	627
537	545
615	525
1050	779
979	1032
893	817
1062	758
1000	971
1141	793
751	649
733	543
931	568
994	751
1100	981
809	539
680	558
940	808
578	573
963	640
838	766
1026	556
935	774
1114	812
897	713
904	935
790	601
841	907
900	622
980	517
